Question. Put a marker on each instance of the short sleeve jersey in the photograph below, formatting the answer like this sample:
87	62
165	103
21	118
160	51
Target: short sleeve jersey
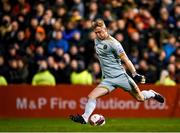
108	52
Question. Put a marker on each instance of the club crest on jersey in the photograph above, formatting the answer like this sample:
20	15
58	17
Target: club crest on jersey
105	47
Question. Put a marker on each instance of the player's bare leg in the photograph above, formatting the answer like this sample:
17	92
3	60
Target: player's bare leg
90	105
98	92
136	93
146	94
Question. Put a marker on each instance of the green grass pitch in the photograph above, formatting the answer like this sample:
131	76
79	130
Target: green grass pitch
112	125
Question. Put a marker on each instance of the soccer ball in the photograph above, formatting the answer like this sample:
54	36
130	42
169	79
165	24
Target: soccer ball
97	120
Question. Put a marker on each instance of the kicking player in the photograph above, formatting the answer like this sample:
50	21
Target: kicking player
110	54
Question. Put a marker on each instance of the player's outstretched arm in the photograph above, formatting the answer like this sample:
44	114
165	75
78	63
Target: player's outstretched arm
137	77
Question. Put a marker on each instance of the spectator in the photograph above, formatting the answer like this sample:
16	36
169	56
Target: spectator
88	48
96	72
21	41
43	76
166	20
148	71
3	81
168	4
74	53
160	33
121	35
143	17
13	76
86	29
17	71
71	34
31	29
80	75
3	68
112	27
93	11
58	26
52	65
75	15
39	11
136	42
39	39
15	28
47	21
61	12
172	71
134	57
60	68
177	11
64	71
78	4
59	2
12	52
160	62
117	7
108	16
177	65
5	27
6	7
39	54
165	79
152	46
22	7
57	43
170	47
153	50
176	31
22	70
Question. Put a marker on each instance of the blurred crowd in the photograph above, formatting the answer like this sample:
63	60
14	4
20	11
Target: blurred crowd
51	42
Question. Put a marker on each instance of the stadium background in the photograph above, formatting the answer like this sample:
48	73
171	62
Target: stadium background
51	43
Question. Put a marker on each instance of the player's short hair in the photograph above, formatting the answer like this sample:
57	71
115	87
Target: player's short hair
98	23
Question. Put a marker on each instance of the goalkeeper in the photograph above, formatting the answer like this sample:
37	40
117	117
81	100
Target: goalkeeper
110	54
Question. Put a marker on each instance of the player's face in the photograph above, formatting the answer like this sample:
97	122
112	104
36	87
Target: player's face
101	32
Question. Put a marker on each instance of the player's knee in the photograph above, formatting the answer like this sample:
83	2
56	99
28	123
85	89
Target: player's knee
91	96
140	99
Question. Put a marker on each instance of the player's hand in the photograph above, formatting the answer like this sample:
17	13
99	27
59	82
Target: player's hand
139	78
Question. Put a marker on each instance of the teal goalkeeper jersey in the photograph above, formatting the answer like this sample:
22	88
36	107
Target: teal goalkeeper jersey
108	52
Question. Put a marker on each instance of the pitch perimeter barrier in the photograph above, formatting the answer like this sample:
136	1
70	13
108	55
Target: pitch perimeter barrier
25	101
